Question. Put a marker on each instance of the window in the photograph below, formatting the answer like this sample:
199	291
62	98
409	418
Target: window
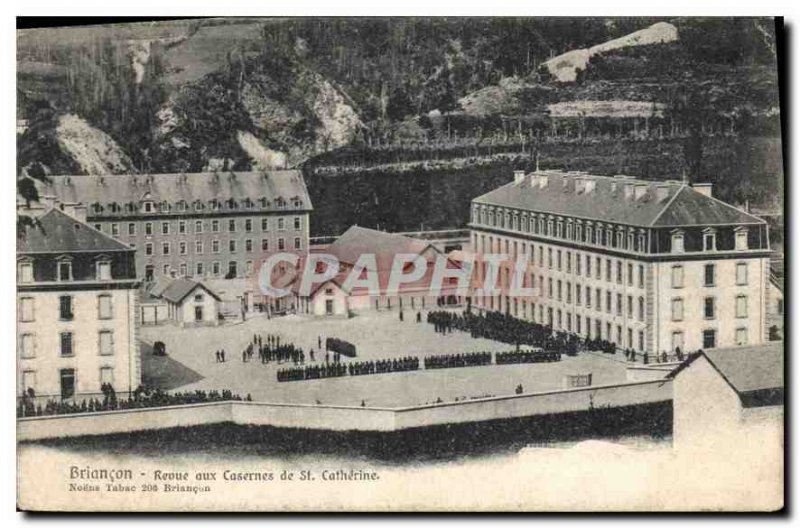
608	270
608	301
166	269
741	336
164	228
588	297
114	229
148	229
641	340
66	344
215	269
106	375
26	309
630	307
709	240
741	306
25	272
741	273
619	272
215	226
569	262
558	260
27	346
198	269
708	275
232	246
577	264
165	248
182	227
64	270
65	308
281	244
741	239
297	243
148	207
264	244
558	290
104	306
248	225
578	294
550	288
215	246
182	248
232	225
677	276
132	229
106	343
99	227
281	225
550	258
29	380
709	338
641	275
569	292
297	222
198	247
248	245
265	224
640	311
709	307
630	274
619	304
148	248
198	226
248	267
232	269
677	242
597	270
183	269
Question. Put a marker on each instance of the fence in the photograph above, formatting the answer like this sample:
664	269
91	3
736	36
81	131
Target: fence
344	418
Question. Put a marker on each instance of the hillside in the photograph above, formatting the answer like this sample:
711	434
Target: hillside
656	98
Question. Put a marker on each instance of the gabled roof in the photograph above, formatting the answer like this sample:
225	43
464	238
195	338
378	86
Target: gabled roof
58	232
360	240
172	188
746	369
681	205
179	289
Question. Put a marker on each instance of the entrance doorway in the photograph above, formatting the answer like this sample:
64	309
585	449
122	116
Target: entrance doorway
198	313
329	307
67	383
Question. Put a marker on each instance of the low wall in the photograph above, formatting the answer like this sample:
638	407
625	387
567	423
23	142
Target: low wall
127	421
342	418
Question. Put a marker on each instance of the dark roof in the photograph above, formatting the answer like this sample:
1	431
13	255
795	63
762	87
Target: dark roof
178	289
172	188
747	369
359	240
681	205
57	232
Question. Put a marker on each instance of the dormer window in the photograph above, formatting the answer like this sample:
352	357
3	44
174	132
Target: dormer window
198	205
25	271
263	201
181	206
642	242
147	207
64	269
103	269
709	240
741	239
677	241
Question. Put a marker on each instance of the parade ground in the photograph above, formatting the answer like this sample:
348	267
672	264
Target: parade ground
191	364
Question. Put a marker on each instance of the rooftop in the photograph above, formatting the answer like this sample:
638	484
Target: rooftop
281	190
177	290
748	369
616	199
57	232
360	240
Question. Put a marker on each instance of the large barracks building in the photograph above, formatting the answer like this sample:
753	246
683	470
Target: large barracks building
202	225
647	265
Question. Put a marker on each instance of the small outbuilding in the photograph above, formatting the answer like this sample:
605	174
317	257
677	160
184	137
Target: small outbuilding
191	303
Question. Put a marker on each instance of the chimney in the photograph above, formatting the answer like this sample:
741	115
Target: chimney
628	191
703	188
590	185
662	191
543	181
639	190
519	176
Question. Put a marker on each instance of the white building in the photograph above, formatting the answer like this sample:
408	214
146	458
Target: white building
190	303
721	394
650	266
77	299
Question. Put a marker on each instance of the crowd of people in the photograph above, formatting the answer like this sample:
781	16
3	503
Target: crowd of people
383	366
472	359
526	356
327	370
